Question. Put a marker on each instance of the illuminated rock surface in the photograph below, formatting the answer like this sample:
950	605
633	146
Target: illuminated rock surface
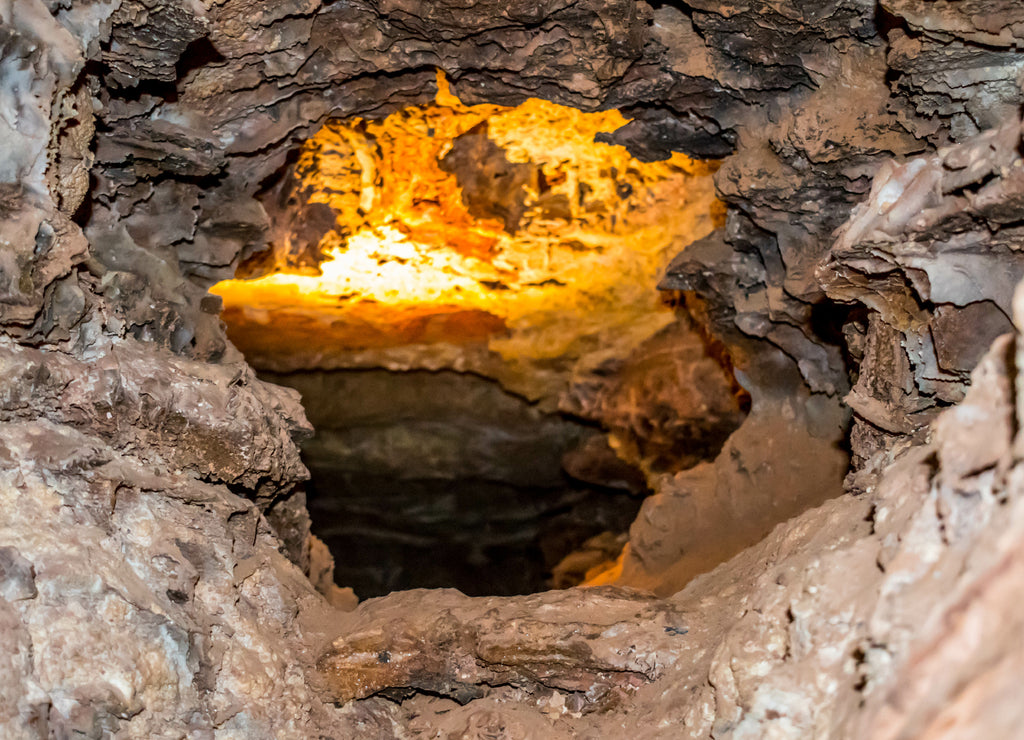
500	240
153	544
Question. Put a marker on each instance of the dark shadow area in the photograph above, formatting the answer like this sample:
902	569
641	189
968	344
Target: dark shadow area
442	479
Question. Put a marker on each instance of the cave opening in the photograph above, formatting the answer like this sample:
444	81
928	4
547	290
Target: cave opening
465	297
433	479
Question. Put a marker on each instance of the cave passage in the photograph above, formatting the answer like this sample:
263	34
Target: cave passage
465	297
442	479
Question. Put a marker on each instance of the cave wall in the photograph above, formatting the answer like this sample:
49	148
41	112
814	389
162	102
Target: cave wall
146	587
888	614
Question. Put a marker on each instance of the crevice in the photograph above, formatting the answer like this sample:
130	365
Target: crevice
198	54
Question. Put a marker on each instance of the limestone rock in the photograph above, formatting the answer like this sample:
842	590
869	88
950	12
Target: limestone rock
147	477
126	619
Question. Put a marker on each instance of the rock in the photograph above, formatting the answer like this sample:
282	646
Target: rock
492	186
217	422
170	625
916	243
420	641
672	403
594	461
423	479
151	533
17	576
321	575
963	334
594	558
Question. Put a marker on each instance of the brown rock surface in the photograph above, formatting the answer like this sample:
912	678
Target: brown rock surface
128	614
147	476
441	642
443	479
876	615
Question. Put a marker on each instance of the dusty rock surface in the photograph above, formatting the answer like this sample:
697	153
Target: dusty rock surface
152	550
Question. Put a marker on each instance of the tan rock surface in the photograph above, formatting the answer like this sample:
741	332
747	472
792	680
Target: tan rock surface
143	588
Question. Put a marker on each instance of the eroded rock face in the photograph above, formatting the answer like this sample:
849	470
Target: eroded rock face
482	238
124	618
515	643
144	469
889	613
924	296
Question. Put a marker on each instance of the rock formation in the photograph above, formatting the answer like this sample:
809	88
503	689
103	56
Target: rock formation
845	563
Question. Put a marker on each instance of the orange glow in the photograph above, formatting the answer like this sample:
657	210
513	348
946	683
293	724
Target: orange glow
386	266
596	228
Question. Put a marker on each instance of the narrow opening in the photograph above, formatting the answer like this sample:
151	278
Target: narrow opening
443	479
465	298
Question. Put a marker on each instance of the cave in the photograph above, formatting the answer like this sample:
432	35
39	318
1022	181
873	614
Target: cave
465	298
386	369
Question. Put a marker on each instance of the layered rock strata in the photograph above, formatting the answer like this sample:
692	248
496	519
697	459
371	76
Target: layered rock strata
143	585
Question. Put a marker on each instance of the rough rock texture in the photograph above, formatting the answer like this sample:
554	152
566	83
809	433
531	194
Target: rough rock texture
889	613
145	592
669	405
147	477
484	238
122	618
921	252
514	643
